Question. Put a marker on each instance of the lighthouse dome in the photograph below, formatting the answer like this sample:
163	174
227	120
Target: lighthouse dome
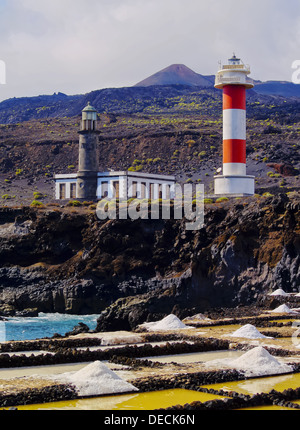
89	108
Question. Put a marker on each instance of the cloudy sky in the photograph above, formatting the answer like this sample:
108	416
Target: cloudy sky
76	46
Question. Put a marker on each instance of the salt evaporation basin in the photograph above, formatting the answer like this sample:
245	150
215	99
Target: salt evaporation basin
97	379
248	331
171	322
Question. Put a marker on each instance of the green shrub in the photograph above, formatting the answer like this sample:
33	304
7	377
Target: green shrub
36	204
38	196
74	203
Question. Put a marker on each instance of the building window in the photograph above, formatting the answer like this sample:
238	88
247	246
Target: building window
62	191
104	189
73	191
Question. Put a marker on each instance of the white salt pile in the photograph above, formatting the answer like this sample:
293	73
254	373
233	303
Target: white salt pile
197	317
259	362
279	292
171	322
284	309
97	379
120	338
248	331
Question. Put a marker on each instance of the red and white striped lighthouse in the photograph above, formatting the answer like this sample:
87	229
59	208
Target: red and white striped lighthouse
232	79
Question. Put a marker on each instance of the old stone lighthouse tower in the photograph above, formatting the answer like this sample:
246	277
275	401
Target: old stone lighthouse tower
88	160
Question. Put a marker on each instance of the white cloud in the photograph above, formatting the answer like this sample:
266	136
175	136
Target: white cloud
77	46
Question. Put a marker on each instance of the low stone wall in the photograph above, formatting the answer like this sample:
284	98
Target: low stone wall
63	356
32	396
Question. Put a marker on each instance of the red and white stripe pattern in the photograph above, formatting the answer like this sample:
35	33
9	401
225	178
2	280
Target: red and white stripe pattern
234	130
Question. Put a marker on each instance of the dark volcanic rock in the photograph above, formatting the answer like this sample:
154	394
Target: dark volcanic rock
133	271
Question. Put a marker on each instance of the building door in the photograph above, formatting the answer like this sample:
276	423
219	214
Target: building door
73	191
152	190
134	190
116	187
143	190
160	192
104	190
168	192
62	191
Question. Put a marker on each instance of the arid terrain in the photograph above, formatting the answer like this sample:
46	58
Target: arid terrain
177	131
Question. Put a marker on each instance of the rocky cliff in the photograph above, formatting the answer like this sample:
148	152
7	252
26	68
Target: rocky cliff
66	260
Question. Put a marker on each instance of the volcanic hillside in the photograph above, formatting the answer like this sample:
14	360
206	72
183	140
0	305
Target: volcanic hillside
175	129
177	74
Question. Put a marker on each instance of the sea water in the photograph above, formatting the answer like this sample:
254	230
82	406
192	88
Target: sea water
44	325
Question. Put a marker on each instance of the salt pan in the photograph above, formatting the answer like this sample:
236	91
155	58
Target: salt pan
97	379
248	331
259	362
171	322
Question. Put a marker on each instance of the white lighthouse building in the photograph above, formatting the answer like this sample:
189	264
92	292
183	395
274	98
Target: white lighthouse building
232	79
91	185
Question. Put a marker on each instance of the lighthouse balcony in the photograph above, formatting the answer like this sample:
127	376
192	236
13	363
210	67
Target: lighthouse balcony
233	78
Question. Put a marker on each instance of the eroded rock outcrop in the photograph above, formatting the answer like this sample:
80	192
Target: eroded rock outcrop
131	271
